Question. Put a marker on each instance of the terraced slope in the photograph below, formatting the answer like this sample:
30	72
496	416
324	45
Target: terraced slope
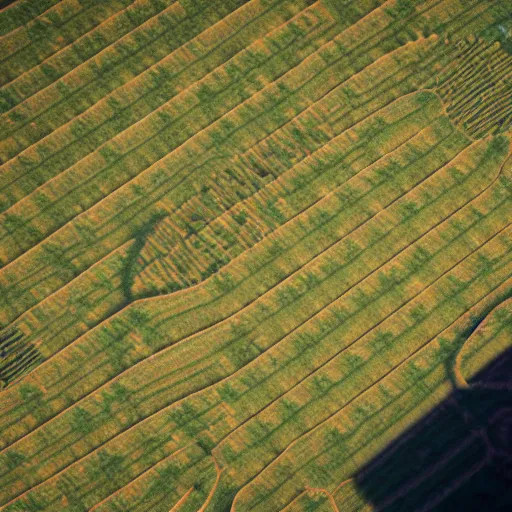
246	245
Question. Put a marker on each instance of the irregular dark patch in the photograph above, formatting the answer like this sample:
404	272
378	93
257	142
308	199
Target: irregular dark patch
476	88
459	457
17	357
130	270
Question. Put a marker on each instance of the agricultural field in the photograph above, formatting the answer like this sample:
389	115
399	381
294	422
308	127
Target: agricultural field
255	255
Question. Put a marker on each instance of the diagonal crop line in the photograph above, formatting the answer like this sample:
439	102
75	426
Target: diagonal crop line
184	178
143	95
88	455
382	430
320	311
298	241
168	347
151	469
226	215
137	78
365	334
196	393
405	303
489	110
125	430
20	28
121	136
353	50
228	212
318	426
130	7
181	502
264	266
227	113
77	90
506	113
462	79
459	379
482	283
462	315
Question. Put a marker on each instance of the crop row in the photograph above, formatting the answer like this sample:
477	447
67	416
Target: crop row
221	237
52	46
490	339
260	342
66	278
388	32
128	336
48	324
126	155
275	427
245	273
115	66
114	216
353	435
138	98
388	479
477	91
24	13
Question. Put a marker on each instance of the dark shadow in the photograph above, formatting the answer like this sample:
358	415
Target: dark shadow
457	458
6	3
129	271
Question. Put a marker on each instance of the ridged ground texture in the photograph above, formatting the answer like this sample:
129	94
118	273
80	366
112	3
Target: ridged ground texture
245	245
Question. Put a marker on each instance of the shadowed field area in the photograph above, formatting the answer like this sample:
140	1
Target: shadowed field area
459	457
255	255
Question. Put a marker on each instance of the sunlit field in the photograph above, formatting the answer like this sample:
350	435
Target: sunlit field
250	250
